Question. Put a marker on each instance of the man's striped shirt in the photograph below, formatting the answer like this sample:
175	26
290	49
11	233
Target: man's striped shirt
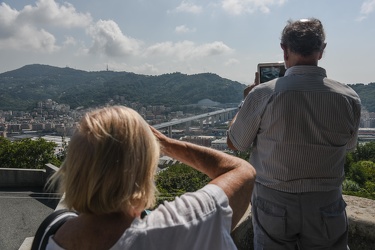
300	126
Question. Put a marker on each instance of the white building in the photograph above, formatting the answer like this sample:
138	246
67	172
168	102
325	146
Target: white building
220	144
59	142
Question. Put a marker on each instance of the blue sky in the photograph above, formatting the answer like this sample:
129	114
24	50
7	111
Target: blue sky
153	37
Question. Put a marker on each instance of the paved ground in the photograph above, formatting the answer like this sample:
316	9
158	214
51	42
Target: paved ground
21	212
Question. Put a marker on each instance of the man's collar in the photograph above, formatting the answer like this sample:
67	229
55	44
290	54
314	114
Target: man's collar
306	69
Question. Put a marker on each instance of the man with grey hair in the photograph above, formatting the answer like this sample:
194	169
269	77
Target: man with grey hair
300	128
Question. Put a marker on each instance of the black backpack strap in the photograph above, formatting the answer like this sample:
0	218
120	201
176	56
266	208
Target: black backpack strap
49	226
145	213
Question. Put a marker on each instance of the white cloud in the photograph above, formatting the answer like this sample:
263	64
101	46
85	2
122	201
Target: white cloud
189	8
188	50
22	37
51	13
7	15
212	49
8	18
109	40
19	35
367	7
69	40
27	29
237	7
147	69
231	62
183	29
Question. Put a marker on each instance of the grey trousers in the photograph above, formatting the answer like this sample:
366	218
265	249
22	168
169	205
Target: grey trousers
314	220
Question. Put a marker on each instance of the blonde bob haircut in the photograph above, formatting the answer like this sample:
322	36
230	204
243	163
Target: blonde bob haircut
110	164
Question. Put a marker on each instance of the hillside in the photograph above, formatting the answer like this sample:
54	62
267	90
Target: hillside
367	95
24	87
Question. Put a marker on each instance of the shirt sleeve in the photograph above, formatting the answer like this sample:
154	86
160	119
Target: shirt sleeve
52	245
197	220
352	144
245	127
193	206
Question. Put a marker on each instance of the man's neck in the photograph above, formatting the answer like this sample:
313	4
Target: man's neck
296	59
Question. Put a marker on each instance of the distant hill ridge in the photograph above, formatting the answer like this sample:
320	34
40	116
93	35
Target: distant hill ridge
24	87
37	70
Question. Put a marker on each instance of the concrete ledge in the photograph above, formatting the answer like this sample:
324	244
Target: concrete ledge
242	234
27	243
50	170
19	177
361	216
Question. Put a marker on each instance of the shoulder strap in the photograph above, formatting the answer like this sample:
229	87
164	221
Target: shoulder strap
49	226
145	213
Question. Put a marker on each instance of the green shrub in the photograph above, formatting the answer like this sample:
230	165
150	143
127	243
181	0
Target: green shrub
349	185
27	153
177	180
370	187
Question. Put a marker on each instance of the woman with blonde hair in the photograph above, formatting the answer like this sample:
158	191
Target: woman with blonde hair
108	178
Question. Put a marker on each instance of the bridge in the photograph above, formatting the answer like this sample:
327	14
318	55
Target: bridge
218	115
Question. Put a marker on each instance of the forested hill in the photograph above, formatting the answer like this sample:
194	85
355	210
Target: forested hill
367	94
22	88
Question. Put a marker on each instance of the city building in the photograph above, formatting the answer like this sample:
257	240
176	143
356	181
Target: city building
220	144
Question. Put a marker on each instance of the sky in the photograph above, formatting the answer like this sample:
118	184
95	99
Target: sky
153	37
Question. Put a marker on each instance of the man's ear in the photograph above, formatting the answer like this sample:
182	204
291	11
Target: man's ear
285	50
322	51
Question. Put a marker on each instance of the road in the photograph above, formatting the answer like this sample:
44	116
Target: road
192	118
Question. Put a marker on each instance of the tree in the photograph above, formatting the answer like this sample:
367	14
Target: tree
356	173
360	171
27	153
5	152
177	180
364	152
349	185
367	168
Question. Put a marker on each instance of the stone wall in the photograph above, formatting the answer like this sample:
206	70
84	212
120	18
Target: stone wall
20	177
361	216
360	211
